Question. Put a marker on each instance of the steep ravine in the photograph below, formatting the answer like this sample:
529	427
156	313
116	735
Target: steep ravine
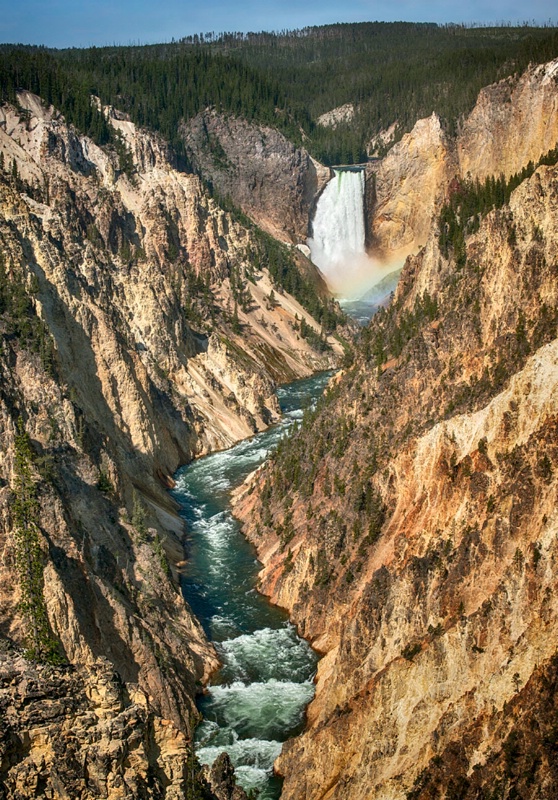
410	529
257	699
138	329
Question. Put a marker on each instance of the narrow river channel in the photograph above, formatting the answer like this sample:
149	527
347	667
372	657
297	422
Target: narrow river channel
257	700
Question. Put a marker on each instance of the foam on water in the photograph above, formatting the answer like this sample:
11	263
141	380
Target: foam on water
259	696
267	654
260	753
258	710
252	759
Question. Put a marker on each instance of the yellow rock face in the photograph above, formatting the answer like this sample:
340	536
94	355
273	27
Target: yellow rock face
410	183
513	122
438	633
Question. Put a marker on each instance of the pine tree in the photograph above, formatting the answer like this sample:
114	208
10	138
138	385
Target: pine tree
29	555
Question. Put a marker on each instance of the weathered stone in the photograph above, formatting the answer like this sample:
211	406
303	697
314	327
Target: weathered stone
138	384
513	122
270	179
431	630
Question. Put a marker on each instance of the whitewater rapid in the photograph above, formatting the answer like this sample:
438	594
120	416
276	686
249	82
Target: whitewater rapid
258	699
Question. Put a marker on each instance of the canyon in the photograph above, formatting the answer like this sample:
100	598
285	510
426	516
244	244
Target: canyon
140	331
409	527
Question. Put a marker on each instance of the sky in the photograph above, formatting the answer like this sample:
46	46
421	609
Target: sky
81	23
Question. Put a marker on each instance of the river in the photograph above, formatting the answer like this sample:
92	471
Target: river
258	699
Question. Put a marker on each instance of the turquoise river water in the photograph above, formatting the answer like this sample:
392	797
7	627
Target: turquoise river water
258	699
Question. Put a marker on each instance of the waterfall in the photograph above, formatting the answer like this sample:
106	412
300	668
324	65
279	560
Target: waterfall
337	242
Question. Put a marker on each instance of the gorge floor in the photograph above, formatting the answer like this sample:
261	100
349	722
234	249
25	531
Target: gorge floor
258	698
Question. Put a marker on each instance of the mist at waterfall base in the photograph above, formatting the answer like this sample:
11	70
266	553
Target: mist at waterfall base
337	245
258	698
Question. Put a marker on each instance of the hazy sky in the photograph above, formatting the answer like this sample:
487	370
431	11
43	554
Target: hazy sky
62	23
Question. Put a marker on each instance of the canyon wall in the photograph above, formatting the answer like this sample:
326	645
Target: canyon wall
273	181
139	327
409	184
513	122
410	529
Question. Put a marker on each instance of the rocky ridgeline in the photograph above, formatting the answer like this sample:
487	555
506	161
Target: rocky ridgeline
513	122
136	332
410	528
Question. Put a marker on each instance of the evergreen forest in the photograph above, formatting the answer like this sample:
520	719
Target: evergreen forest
392	73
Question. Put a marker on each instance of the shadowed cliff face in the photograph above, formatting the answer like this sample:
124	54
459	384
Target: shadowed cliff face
410	528
136	332
68	732
514	121
272	181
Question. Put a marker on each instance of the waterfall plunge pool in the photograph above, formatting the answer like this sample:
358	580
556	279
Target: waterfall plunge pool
258	698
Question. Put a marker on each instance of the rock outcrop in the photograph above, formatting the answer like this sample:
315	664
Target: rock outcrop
341	114
513	122
409	184
68	733
273	181
411	528
222	780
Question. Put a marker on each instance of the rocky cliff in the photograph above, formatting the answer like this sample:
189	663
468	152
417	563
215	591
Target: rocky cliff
83	732
140	326
273	181
513	122
405	189
410	528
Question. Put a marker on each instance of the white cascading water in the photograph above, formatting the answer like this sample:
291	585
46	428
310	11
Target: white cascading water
337	244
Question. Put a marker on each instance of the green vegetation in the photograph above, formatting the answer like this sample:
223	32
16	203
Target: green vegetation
138	517
280	260
470	201
311	464
158	87
196	787
29	559
411	650
393	328
104	483
159	551
19	318
392	73
39	71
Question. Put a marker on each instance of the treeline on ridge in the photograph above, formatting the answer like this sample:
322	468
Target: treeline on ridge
390	72
469	201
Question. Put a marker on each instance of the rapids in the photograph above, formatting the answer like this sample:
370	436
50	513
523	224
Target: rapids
258	698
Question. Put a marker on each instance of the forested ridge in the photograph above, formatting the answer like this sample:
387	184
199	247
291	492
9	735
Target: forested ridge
391	72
